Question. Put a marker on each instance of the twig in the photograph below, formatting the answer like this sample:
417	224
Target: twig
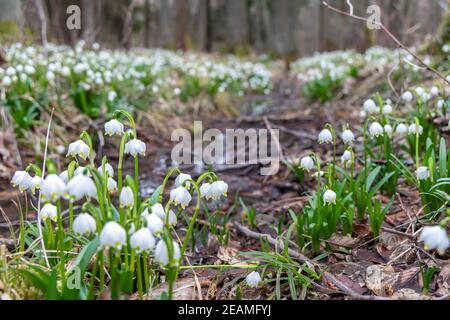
386	30
302	258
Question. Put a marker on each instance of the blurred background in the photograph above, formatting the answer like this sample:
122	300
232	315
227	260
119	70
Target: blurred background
279	28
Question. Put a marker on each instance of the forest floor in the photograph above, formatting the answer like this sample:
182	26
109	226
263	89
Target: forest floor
387	266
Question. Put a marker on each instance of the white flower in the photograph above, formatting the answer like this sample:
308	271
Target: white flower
111	185
434	91
375	129
65	71
113	235
80	186
35	183
108	168
329	197
440	104
412	129
84	224
388	130
135	147
253	279
48	211
401	129
325	136
113	127
435	237
370	106
158	209
172	219
142	241
422	173
112	95
162	253
307	163
52	188
407	96
204	189
387	109
60	149
217	189
419	91
348	137
154	224
6	81
81	171
316	174
346	156
180	196
446	48
182	177
79	148
126	198
21	179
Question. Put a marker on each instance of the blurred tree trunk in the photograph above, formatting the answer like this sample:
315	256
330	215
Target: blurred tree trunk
236	21
181	17
88	16
165	25
203	24
147	24
11	10
284	22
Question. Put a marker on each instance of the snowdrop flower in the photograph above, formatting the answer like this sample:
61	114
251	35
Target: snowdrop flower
112	95
154	224
435	237
162	253
65	71
422	173
80	186
388	130
60	149
317	174
346	156
113	127
253	279
79	148
113	235
446	48
370	106
6	81
64	176
329	197
434	91
111	185
419	91
21	179
307	163
325	136
375	129
407	96
108	168
440	104
84	224
348	137
81	171
387	109
401	129
412	129
217	189
35	183
182	178
158	209
171	219
142	241
204	189
135	147
52	188
50	76
126	198
180	195
48	211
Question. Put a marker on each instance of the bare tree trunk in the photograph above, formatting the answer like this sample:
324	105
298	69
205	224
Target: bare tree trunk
166	24
88	20
181	23
147	24
236	17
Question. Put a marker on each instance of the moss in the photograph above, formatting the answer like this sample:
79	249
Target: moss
8	29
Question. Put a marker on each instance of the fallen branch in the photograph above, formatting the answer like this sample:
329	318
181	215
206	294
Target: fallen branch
389	33
302	258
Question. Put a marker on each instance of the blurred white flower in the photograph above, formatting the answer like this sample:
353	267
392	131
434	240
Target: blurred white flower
348	137
388	130
434	91
253	279
412	129
307	163
52	188
135	147
84	224
80	186
48	211
422	173
387	109
407	96
375	129
22	180
370	106
325	136
401	129
435	237
142	241
329	197
79	148
126	198
113	235
162	253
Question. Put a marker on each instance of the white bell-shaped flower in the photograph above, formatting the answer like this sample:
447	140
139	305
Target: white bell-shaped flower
80	186
375	129
181	178
253	279
113	235
180	196
422	173
135	147
348	137
434	91
84	224
158	209
387	109
307	163
162	253
142	241
35	183
218	188
329	197
113	127
435	237
204	190
401	129
22	180
407	96
325	136
370	106
388	129
79	148
52	188
111	185
48	211
64	176
108	168
154	224
126	198
412	129
346	156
